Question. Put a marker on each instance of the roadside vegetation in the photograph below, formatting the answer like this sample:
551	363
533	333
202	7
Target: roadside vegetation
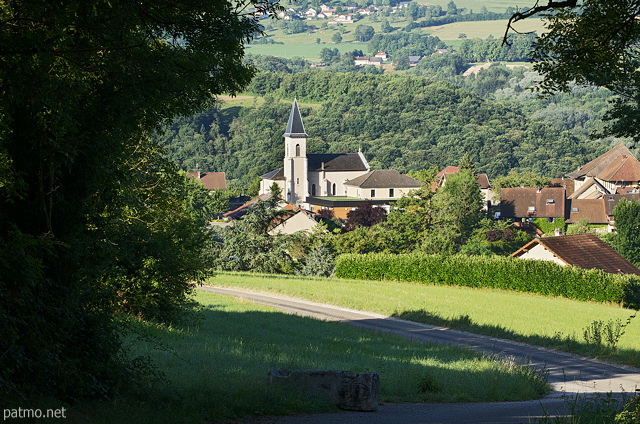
545	321
216	369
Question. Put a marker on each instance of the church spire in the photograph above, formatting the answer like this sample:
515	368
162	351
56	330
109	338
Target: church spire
295	127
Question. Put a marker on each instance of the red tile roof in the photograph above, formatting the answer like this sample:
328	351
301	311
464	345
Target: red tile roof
521	202
592	210
210	180
609	164
586	251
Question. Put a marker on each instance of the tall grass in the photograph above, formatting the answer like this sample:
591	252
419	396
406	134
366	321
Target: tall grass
217	370
547	321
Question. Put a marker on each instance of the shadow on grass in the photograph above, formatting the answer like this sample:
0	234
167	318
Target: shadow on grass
217	372
567	343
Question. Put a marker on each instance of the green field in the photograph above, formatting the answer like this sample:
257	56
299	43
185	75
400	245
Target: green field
216	370
483	29
476	5
306	44
553	322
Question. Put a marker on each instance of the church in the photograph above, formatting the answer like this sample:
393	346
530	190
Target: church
337	181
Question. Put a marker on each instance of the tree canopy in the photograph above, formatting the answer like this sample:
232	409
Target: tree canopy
91	214
593	42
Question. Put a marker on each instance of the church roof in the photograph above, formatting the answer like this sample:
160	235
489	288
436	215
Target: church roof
276	174
382	178
608	164
295	127
337	162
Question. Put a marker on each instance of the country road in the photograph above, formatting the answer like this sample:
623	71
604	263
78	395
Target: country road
569	375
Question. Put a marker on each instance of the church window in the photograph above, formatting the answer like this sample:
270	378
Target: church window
297	180
297	150
373	193
391	193
333	189
313	189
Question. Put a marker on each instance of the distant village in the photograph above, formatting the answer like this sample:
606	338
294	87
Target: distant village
337	183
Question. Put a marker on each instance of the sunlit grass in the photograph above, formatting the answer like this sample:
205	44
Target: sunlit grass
217	369
553	322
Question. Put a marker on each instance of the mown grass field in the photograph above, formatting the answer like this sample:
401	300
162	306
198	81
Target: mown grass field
553	322
216	370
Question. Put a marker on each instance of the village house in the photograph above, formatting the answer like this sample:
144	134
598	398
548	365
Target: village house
526	204
615	172
586	251
588	194
210	180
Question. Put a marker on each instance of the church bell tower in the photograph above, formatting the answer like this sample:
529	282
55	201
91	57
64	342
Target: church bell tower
295	158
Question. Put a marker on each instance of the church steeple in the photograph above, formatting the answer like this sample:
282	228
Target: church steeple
295	127
295	158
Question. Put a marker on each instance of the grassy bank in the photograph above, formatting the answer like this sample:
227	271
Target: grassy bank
216	371
552	322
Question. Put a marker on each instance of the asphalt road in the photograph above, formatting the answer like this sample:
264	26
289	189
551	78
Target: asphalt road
570	376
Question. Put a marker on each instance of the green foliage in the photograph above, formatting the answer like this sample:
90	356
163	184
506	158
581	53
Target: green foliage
319	263
400	122
457	206
549	228
94	221
495	238
594	43
520	179
247	245
541	277
627	238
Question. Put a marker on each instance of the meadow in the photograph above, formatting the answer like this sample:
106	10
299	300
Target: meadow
546	321
215	370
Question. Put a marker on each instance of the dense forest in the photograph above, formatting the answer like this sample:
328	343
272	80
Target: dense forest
402	121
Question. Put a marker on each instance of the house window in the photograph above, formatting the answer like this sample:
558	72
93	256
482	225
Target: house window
574	209
550	201
333	189
297	150
551	220
313	189
391	193
531	209
373	193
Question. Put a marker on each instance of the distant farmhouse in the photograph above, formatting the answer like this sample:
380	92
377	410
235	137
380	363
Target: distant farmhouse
337	181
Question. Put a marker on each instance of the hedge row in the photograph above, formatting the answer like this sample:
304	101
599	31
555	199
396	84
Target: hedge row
532	276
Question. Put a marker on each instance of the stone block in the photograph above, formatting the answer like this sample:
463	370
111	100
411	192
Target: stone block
347	390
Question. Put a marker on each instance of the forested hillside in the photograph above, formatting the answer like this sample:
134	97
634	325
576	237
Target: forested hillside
404	122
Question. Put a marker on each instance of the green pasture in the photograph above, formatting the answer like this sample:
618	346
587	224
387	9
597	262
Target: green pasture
216	369
476	5
483	29
553	322
306	44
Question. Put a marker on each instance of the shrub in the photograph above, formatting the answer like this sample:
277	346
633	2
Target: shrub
541	277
